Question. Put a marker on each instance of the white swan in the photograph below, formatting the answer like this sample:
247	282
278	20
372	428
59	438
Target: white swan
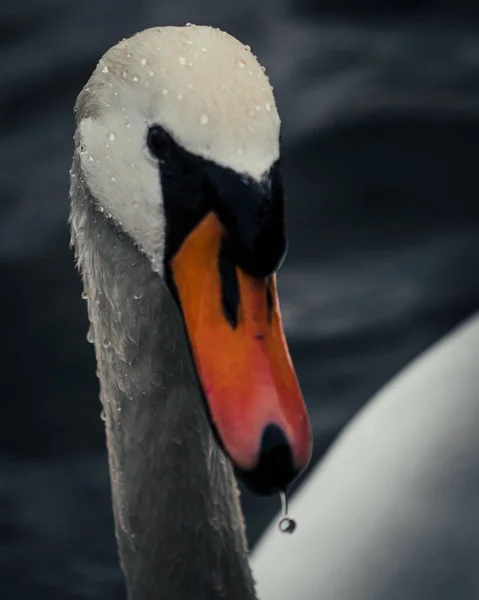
177	219
392	510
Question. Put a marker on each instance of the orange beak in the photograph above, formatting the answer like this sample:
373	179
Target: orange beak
244	367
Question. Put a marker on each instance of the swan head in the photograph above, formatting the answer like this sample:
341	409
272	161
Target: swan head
178	142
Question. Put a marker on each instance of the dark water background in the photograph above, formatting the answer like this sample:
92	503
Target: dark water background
380	110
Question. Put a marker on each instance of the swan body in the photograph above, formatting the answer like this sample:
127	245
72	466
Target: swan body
391	511
178	226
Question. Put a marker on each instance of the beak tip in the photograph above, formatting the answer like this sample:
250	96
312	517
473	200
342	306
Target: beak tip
275	468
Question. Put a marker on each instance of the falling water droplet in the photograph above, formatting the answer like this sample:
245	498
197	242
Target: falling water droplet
204	119
111	136
90	336
105	69
103	415
286	524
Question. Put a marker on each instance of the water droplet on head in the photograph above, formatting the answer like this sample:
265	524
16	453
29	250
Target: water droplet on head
241	63
103	415
143	61
151	73
113	179
180	96
189	24
84	295
111	136
135	78
164	91
263	68
90	336
268	106
182	60
204	119
105	69
191	86
248	48
137	295
204	49
123	74
106	343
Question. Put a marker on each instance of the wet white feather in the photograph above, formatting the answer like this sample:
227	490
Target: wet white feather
204	87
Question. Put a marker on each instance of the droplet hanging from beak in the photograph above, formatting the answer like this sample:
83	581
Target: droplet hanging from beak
286	524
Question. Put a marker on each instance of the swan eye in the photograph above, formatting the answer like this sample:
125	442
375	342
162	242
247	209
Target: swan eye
158	142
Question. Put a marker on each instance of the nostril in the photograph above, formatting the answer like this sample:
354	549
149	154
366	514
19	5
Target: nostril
275	469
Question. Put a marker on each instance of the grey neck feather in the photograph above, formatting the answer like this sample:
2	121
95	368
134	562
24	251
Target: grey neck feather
178	522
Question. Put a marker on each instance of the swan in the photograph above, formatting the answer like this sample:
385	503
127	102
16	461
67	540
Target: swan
178	225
